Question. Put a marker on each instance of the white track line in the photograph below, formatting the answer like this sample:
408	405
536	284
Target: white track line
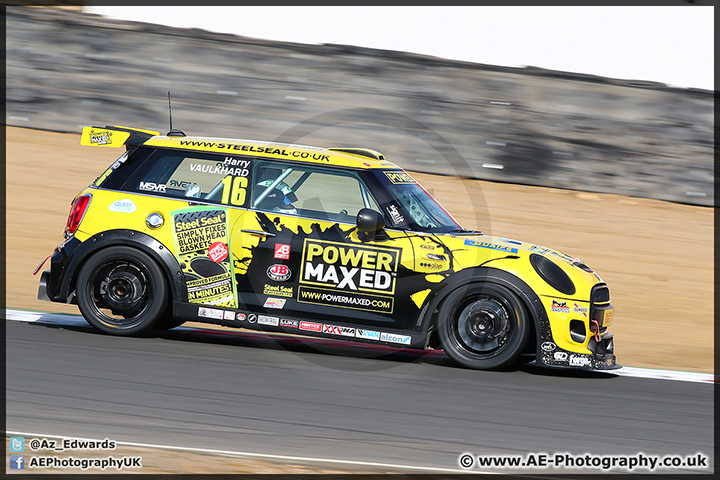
250	454
77	320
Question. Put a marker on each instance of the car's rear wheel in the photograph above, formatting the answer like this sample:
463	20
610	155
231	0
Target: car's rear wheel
122	291
483	326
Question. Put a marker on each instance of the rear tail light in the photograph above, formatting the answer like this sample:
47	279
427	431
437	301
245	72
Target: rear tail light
77	212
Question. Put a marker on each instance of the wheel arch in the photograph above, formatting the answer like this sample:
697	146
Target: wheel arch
126	238
528	297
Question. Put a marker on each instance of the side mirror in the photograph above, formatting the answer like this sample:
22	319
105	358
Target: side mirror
370	223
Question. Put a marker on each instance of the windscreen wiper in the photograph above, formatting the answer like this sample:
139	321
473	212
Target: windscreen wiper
462	231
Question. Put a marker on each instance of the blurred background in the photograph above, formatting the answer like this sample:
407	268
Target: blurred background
631	135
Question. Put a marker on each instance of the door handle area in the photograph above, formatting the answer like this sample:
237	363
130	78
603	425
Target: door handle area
259	233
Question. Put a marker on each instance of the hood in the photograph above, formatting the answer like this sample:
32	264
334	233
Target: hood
470	251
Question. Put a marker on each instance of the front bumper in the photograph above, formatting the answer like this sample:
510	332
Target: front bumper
601	358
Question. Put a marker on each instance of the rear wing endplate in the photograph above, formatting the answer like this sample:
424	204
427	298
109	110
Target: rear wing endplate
115	136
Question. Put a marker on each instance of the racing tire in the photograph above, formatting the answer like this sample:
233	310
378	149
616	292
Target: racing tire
483	326
122	291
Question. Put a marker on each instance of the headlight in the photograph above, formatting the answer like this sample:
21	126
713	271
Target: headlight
552	274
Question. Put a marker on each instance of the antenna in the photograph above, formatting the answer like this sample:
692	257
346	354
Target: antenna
173	132
170	110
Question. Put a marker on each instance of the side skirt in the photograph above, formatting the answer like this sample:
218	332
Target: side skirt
275	321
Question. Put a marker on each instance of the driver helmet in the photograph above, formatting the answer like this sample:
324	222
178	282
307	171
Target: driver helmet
281	206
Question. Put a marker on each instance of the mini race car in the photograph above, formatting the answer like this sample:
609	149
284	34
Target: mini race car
335	242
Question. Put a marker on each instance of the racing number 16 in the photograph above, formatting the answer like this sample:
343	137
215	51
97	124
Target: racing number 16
235	194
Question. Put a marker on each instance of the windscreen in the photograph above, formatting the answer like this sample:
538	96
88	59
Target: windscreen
407	204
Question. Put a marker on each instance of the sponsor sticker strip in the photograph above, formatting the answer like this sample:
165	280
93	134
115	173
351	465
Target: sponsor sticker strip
327	328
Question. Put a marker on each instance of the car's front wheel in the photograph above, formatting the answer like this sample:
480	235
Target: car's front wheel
122	291
483	326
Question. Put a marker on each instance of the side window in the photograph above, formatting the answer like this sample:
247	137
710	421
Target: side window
315	192
205	177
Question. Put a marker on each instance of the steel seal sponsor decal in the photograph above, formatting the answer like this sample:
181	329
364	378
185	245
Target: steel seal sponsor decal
491	246
278	290
352	276
270	149
200	239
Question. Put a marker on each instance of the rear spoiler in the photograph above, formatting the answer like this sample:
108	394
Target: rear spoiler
115	136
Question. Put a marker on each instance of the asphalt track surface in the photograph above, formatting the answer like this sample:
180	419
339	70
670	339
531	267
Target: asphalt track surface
324	399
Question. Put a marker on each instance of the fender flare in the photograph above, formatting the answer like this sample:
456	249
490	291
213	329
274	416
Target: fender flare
487	275
126	238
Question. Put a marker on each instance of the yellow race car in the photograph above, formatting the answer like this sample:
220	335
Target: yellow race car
335	242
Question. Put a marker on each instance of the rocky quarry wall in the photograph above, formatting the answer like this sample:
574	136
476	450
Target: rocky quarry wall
66	69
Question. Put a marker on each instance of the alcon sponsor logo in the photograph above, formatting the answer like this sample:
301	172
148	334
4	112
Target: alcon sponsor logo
392	338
